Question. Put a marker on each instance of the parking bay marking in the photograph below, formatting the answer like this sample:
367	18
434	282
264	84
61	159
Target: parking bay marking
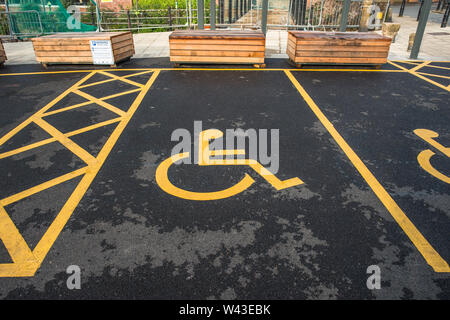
26	261
428	252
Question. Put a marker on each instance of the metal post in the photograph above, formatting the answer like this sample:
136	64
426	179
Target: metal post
212	14
8	16
236	10
265	7
230	11
176	13
129	19
92	16
303	13
420	28
170	16
420	10
445	17
344	17
201	14
402	8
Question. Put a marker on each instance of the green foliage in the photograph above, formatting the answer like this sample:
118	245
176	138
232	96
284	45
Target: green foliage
163	4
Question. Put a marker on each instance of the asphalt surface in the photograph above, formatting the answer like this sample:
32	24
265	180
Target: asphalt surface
315	240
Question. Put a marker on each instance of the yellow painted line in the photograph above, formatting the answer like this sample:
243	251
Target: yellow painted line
44	72
56	227
70	71
82	104
120	94
423	64
112	79
92	127
415	63
26	263
40	187
66	142
428	252
199	69
50	140
88	102
123	79
420	76
433	75
26	148
11	133
438	67
13	240
431	81
100	102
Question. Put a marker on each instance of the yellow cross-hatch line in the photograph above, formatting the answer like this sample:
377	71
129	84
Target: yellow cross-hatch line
26	261
428	252
415	72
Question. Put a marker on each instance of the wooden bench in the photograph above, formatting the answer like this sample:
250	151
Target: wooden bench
338	48
2	54
217	47
75	48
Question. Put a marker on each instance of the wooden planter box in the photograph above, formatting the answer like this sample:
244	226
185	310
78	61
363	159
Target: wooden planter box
359	48
217	47
2	54
75	48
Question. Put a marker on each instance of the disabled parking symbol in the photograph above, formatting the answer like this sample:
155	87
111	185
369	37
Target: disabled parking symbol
424	156
205	159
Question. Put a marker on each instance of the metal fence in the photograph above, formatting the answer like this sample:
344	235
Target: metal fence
240	14
26	23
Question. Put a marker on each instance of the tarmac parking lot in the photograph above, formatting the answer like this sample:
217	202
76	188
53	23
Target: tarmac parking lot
88	179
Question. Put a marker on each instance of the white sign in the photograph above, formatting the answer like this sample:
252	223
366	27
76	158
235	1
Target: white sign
102	52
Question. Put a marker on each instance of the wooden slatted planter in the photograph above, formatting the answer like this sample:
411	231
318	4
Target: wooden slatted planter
358	48
75	48
2	54
217	47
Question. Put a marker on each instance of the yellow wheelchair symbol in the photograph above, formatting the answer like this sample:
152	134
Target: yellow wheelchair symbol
424	157
204	156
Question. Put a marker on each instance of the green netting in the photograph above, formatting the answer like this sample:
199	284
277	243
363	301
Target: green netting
31	17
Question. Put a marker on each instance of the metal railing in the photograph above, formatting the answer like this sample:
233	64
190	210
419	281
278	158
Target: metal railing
241	14
21	23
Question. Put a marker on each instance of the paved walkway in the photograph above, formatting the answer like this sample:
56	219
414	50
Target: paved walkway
436	40
435	45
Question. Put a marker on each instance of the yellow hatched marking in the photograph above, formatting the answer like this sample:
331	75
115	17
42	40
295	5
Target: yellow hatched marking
25	261
123	79
438	67
13	240
50	140
414	73
433	75
65	141
100	102
10	134
114	79
423	64
428	252
40	187
89	102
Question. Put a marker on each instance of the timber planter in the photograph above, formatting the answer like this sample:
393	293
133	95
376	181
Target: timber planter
104	48
338	48
217	47
2	54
